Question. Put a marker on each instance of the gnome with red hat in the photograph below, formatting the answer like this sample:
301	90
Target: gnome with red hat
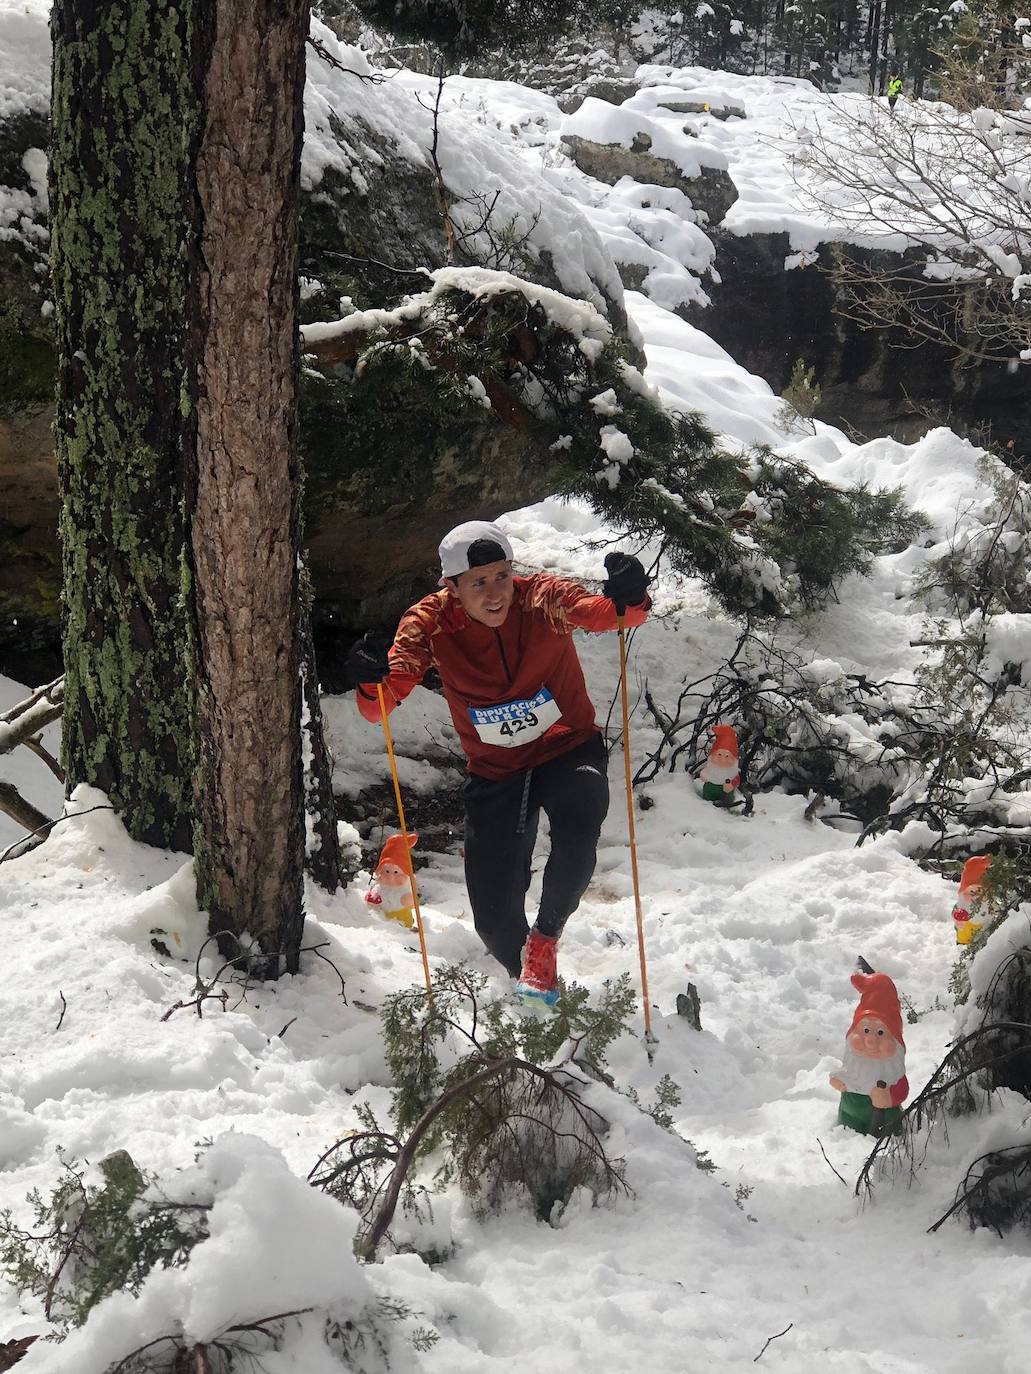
719	776
392	891
872	1078
971	900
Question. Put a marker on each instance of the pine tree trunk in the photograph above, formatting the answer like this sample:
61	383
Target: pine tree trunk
323	849
243	493
875	35
124	97
886	34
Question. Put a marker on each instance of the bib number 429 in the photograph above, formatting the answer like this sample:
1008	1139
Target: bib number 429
513	723
519	724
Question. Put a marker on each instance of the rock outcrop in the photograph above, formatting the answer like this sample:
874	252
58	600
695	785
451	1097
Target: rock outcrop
712	191
872	380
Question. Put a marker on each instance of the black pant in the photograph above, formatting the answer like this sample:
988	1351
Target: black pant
500	829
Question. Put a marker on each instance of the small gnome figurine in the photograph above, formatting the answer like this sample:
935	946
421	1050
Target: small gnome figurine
392	891
872	1078
719	776
971	898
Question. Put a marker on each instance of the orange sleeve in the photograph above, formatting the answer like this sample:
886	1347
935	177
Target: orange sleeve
410	657
569	606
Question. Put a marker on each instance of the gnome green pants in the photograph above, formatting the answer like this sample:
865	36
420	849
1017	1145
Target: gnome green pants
856	1111
713	792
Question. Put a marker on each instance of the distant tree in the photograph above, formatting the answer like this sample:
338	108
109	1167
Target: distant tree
951	185
462	28
175	174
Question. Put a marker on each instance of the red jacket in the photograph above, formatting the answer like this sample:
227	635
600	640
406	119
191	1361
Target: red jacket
481	667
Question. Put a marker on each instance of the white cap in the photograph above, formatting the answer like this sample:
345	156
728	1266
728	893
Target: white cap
455	546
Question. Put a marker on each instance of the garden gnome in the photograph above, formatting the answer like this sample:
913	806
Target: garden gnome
971	898
392	891
719	776
872	1077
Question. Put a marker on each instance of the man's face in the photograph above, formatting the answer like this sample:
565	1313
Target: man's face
872	1039
971	895
486	593
722	758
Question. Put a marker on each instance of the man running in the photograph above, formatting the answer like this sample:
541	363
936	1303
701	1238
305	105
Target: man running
504	650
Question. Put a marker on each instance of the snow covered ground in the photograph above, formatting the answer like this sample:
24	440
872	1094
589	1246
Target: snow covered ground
765	915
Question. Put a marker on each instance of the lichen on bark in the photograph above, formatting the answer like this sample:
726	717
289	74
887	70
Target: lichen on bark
124	129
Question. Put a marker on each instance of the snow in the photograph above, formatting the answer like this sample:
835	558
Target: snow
477	160
622	125
765	915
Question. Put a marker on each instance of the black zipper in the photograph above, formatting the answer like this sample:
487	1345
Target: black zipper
504	657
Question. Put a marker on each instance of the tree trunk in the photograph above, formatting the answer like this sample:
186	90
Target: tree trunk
875	35
323	848
124	98
887	26
243	490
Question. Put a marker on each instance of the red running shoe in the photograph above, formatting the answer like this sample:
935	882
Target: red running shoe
538	982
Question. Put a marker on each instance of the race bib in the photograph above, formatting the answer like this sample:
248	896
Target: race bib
516	722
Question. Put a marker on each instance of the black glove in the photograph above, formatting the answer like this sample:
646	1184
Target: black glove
367	660
627	582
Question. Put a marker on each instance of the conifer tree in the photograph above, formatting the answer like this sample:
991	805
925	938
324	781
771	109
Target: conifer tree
175	173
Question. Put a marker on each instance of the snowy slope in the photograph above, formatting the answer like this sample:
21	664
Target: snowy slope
765	915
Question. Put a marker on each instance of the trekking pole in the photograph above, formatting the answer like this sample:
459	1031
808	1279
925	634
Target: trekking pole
650	1041
404	832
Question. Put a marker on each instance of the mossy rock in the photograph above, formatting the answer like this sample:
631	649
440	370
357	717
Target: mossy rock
713	191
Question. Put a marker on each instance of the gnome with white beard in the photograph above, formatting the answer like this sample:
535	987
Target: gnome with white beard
872	1078
720	775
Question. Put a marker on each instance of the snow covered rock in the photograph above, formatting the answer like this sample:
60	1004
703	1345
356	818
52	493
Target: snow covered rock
609	143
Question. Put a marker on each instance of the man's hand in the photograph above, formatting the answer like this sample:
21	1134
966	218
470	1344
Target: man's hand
627	582
837	1084
367	660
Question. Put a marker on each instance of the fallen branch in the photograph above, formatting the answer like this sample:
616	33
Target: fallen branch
29	717
34	746
18	845
13	804
13	1351
64	1008
829	1164
550	1082
770	1340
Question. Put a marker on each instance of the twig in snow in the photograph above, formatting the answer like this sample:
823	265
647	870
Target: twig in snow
770	1340
317	949
829	1164
294	1018
373	78
64	1008
72	815
385	266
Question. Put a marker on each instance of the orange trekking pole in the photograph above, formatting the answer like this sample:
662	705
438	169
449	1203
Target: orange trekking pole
650	1041
404	832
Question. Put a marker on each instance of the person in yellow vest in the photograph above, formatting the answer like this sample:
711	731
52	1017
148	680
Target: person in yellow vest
971	900
894	91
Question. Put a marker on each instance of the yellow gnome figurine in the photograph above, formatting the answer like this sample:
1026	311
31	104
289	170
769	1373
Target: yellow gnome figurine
392	891
971	898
